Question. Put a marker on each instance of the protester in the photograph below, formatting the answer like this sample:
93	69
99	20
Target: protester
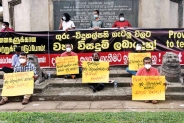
96	24
96	86
148	70
121	22
23	66
69	52
66	24
138	49
5	27
15	60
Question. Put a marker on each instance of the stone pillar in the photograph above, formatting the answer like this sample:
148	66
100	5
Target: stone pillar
174	18
6	11
30	15
154	13
22	16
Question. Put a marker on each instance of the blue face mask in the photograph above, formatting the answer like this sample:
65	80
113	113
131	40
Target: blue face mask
95	16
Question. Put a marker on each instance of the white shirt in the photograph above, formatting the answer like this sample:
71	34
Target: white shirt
68	24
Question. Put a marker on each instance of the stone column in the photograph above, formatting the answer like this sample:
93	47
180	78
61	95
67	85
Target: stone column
154	13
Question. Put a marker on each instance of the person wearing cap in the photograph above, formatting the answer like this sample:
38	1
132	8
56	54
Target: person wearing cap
121	23
15	60
138	50
5	27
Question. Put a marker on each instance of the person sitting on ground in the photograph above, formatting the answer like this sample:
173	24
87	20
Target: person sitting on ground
96	86
121	23
138	50
148	70
23	66
15	60
69	52
5	27
66	24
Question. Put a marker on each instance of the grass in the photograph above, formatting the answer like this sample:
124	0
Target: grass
120	117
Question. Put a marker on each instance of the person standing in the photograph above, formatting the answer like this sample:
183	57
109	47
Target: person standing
66	24
23	66
121	23
97	23
5	27
15	60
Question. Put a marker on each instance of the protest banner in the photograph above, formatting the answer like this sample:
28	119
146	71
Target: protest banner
113	44
95	72
148	88
19	83
136	60
67	65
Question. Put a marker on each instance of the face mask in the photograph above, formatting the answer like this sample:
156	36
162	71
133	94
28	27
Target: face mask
68	49
121	18
64	18
95	16
147	66
22	61
95	59
138	47
3	26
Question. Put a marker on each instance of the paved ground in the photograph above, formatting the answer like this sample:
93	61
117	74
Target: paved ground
93	106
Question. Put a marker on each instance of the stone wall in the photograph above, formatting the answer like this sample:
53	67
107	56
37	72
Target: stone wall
37	15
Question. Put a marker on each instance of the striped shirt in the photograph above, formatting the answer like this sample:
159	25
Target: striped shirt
28	67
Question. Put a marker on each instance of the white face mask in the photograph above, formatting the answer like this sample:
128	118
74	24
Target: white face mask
95	16
121	18
64	18
147	66
138	47
3	26
68	49
22	61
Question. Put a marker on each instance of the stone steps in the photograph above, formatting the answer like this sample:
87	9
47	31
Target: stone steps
86	94
73	90
114	72
58	88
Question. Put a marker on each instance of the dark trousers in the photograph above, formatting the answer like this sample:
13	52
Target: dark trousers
7	70
96	86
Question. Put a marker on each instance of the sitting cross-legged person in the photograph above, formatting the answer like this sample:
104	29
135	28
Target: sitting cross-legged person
69	52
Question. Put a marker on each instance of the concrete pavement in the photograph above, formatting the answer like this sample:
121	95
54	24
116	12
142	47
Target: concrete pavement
94	106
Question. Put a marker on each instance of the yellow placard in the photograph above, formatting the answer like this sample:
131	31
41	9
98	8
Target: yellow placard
136	60
95	72
19	83
148	88
67	65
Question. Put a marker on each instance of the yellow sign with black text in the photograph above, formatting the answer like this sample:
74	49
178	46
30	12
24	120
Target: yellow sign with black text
95	72
148	88
67	65
19	83
136	60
